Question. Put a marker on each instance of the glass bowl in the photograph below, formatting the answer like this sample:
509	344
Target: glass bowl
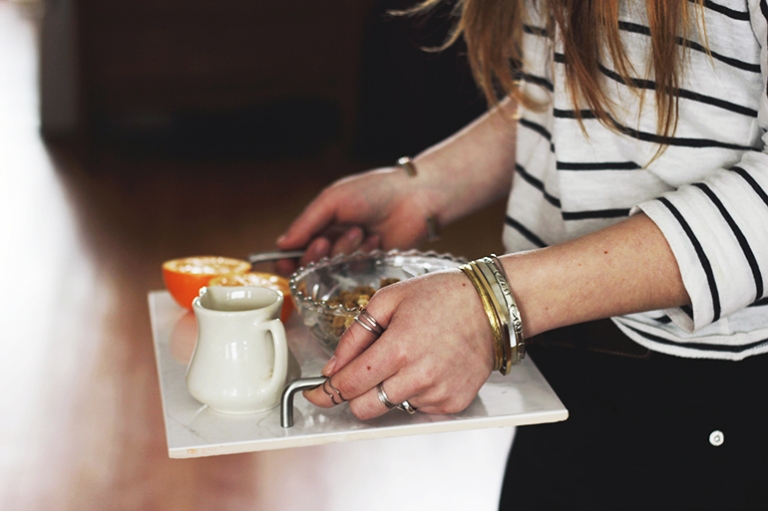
329	293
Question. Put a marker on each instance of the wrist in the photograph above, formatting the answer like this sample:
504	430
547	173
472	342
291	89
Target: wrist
423	197
622	269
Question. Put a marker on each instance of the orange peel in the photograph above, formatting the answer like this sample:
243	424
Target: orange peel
184	277
261	279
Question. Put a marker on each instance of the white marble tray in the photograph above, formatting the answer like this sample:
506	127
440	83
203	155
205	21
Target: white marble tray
193	430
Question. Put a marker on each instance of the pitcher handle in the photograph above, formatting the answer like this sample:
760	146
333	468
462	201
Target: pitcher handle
280	342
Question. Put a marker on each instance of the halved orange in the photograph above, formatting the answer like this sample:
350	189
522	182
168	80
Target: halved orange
185	277
262	279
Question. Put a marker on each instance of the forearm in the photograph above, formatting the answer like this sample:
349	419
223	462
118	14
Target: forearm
471	168
623	269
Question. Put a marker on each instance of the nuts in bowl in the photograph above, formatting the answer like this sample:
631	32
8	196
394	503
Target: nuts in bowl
329	294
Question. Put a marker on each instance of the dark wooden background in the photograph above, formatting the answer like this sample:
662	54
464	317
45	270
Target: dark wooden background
244	79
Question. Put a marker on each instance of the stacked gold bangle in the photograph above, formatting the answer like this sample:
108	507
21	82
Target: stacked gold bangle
490	281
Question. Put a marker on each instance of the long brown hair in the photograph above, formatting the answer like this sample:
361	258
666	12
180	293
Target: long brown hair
493	31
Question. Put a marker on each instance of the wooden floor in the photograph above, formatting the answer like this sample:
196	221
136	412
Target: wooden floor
82	238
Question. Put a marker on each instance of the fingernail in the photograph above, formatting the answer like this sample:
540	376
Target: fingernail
281	239
329	366
320	248
355	234
372	242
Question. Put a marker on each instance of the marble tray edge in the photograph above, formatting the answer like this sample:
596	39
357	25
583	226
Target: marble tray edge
194	449
151	298
367	434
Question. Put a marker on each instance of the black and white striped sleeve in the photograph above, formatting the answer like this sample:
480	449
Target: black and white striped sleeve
718	228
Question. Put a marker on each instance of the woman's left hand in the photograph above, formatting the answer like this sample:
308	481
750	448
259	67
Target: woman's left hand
436	351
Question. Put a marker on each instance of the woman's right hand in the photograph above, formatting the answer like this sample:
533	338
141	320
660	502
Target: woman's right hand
385	208
382	208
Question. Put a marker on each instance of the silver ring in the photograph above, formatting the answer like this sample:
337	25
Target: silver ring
337	391
364	325
383	397
333	398
369	322
406	407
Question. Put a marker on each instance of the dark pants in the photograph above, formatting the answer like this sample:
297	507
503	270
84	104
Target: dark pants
640	435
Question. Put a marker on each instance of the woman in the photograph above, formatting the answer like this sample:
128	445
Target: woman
632	135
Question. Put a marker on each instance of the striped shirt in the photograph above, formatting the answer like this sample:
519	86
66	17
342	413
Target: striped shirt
707	192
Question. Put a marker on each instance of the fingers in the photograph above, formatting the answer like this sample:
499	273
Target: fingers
394	391
362	360
316	250
371	243
318	215
352	240
402	390
360	364
357	339
436	351
348	242
387	395
319	248
355	379
346	202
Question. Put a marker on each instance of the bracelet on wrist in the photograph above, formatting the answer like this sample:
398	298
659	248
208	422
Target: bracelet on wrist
482	271
517	340
487	272
407	165
488	276
433	226
491	312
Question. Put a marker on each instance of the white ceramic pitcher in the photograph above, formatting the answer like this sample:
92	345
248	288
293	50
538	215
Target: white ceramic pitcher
240	362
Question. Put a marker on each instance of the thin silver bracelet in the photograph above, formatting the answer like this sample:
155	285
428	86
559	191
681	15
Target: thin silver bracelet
433	226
